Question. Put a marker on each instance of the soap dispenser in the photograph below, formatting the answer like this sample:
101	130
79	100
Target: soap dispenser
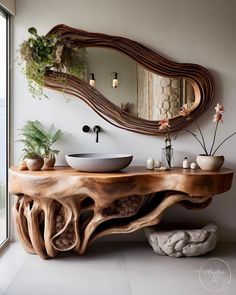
185	163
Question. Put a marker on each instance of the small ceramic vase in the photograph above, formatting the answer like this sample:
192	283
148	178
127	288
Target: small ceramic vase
49	162
22	166
34	164
210	163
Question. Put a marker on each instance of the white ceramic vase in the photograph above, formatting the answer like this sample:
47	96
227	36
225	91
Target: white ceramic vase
210	163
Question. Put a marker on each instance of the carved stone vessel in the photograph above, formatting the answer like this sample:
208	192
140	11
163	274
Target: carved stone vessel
179	243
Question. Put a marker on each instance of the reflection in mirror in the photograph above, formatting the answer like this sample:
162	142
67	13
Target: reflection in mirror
139	92
161	97
103	62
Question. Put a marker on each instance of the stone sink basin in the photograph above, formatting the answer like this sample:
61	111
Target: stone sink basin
98	162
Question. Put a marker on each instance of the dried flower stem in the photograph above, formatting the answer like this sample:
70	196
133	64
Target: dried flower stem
195	136
168	152
214	138
223	142
203	141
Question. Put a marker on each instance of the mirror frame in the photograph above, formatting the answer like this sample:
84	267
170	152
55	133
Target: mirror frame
200	77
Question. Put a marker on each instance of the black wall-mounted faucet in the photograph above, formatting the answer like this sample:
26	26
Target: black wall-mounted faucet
97	129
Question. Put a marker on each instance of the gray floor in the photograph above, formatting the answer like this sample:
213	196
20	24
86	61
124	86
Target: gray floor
118	268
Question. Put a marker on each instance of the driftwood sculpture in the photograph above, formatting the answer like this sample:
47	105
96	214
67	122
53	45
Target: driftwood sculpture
63	210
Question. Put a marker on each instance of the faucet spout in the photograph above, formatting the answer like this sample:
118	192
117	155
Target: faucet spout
97	129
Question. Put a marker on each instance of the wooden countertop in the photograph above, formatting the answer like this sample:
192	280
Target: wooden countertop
130	171
61	181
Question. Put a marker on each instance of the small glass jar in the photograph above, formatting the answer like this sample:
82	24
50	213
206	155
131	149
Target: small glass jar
167	157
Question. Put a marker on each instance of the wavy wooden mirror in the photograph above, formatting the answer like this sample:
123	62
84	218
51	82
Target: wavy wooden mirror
148	88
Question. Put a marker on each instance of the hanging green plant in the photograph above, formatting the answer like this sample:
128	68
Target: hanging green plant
42	53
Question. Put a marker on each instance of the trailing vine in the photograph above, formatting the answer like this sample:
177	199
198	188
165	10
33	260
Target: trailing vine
39	54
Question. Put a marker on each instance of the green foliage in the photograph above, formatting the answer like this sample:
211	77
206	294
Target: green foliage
38	53
38	141
42	53
32	31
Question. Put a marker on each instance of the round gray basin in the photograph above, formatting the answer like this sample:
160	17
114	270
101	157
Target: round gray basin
98	162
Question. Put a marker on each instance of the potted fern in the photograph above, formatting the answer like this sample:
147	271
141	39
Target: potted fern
38	143
32	158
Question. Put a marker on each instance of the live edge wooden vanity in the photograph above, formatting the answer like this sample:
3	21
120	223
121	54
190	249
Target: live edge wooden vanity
63	210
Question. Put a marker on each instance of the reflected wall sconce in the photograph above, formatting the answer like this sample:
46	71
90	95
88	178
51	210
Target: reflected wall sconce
115	80
92	80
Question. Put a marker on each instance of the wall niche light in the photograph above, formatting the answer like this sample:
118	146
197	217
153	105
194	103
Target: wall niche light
92	80
115	80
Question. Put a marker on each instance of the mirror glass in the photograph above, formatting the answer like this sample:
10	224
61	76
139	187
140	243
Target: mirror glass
135	89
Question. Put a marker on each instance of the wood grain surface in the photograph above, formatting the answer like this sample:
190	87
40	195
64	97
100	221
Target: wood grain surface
63	209
201	80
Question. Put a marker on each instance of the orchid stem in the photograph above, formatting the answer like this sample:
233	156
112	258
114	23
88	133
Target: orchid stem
223	142
203	141
214	139
198	141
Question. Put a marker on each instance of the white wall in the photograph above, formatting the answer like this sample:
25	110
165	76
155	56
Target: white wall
197	31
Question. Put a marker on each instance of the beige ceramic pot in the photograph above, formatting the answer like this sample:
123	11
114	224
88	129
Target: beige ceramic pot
34	164
210	163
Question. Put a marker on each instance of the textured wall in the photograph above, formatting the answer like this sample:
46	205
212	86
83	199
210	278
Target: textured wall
161	97
186	31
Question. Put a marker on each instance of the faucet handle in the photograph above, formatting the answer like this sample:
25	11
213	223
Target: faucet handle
96	129
85	128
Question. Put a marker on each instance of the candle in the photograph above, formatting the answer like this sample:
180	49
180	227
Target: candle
150	164
193	166
157	164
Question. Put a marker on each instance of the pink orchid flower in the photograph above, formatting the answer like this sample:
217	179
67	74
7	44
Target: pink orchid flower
219	108
217	118
184	110
164	124
218	115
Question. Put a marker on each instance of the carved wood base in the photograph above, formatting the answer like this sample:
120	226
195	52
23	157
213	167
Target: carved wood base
67	210
47	226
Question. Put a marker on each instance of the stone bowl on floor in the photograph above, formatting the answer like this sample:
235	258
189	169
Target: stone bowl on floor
185	242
